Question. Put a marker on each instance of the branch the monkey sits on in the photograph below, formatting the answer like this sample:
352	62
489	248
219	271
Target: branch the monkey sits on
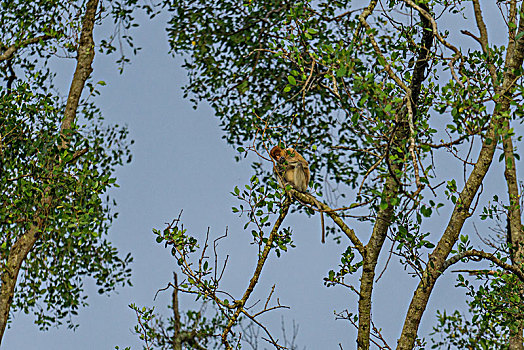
292	169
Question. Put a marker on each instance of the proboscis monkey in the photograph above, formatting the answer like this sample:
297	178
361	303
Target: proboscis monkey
292	169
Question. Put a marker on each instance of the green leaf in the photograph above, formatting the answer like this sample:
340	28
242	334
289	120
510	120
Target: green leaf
429	245
341	71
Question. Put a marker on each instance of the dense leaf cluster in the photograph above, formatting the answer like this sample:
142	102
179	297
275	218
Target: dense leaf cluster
71	242
52	180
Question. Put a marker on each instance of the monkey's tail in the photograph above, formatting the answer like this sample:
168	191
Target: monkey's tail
323	240
323	227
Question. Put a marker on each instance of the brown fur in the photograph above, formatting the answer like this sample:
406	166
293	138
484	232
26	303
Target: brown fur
291	168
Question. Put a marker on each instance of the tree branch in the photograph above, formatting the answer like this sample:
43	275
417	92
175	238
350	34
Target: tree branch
9	51
239	304
483	39
311	200
481	254
85	56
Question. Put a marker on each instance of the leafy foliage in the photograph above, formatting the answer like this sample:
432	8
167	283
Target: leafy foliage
51	179
197	332
283	64
71	243
496	308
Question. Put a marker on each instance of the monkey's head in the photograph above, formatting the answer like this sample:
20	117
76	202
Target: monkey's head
277	154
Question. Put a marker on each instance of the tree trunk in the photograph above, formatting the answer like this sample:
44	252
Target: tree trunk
516	234
370	258
17	255
391	189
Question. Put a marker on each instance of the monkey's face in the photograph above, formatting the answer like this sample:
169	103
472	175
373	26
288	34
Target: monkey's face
277	154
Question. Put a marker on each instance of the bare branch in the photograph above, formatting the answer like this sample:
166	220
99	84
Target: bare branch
483	255
239	304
